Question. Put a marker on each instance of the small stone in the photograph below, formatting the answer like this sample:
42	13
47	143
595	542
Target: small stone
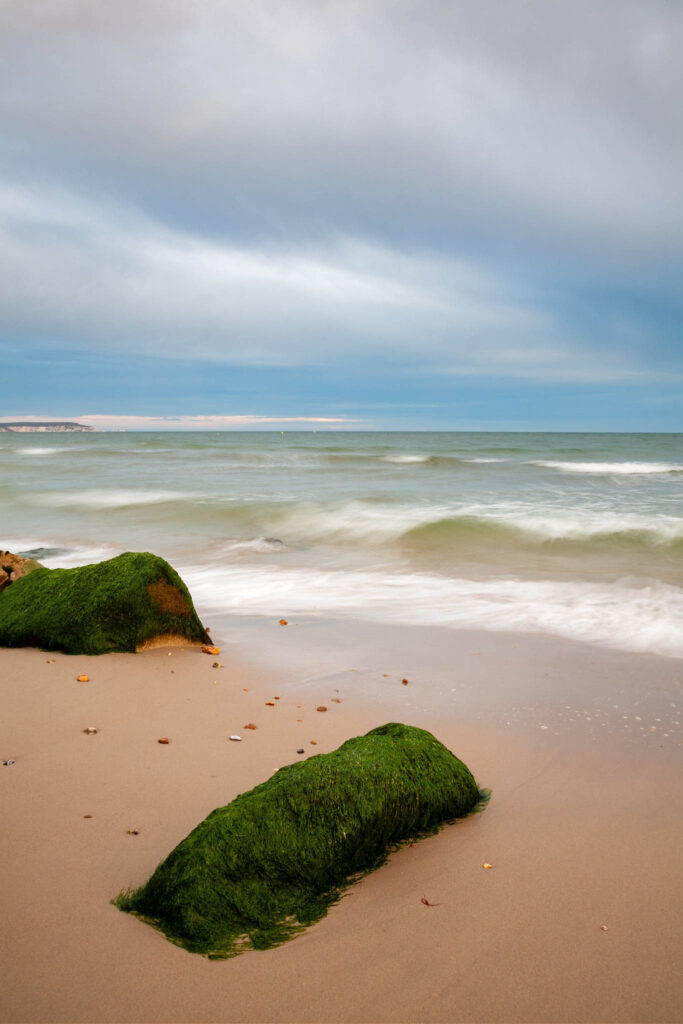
604	928
250	725
211	650
90	731
300	750
83	679
405	682
487	866
321	707
314	743
164	739
132	831
270	703
87	815
283	622
8	761
217	664
336	700
236	739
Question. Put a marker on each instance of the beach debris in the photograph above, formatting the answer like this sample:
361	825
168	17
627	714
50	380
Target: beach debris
604	928
276	698
216	664
300	750
487	867
8	761
321	707
132	831
163	739
236	738
211	650
283	622
314	743
428	904
336	700
83	679
90	731
87	815
50	661
405	682
270	703
250	725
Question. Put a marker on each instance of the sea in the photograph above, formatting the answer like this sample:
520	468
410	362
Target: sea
573	535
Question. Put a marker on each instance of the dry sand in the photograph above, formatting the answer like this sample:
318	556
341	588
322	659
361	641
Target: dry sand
582	833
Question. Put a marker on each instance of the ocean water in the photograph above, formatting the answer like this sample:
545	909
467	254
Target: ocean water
571	535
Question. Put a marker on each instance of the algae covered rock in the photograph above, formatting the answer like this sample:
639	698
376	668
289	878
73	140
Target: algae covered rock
254	873
13	567
118	605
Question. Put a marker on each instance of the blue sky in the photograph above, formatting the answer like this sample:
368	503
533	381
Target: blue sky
378	214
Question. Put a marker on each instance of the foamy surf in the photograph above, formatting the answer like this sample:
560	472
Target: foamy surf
609	468
101	498
627	617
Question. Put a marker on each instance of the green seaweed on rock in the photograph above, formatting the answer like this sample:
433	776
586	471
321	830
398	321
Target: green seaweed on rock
256	872
117	605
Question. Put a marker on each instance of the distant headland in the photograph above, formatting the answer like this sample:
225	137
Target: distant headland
56	427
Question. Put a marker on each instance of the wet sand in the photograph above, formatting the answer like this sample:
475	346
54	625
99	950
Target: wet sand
583	831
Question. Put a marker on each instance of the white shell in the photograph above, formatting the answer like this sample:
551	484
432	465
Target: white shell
237	739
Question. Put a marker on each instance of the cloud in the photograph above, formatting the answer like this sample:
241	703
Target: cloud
468	188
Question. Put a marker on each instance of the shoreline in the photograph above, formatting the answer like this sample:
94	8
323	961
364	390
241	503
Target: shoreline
582	831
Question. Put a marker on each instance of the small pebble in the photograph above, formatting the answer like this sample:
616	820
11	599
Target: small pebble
87	815
283	622
321	707
604	928
8	761
487	866
300	750
83	679
405	682
132	831
250	725
164	739
90	731
236	739
270	703
217	664
211	650
314	743
336	700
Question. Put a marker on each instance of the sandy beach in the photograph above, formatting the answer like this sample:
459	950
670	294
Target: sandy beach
578	919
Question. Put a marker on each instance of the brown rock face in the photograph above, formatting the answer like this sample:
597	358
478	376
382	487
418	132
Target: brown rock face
12	567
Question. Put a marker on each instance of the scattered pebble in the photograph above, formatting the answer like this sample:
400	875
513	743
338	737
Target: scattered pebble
8	761
87	815
336	700
314	743
83	679
164	739
283	622
250	725
487	866
236	739
405	682
321	707
270	703
216	664
90	731
211	650
604	928
300	750
132	831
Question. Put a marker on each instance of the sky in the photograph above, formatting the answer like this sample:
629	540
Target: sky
360	214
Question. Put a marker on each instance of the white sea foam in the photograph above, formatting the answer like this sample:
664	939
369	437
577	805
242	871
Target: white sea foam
483	460
104	498
620	468
627	617
260	545
34	450
400	459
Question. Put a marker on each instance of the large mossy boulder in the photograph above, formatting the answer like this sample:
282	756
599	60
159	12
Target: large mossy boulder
256	872
122	604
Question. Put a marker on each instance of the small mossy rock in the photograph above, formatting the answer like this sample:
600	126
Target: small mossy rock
256	872
122	604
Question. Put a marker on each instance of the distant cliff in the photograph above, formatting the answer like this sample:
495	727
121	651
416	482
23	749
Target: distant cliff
57	427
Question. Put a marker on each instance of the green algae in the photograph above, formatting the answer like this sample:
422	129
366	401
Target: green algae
256	872
117	605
